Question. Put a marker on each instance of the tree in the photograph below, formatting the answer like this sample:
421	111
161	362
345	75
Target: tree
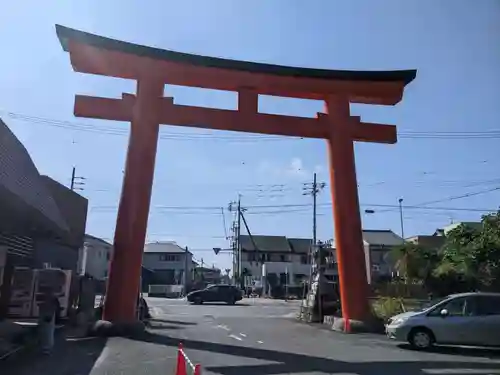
472	255
415	262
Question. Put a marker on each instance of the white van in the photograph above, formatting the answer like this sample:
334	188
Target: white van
458	319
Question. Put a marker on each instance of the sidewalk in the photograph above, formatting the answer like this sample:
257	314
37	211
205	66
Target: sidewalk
14	333
152	353
72	355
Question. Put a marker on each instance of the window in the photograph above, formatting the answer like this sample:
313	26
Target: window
282	258
455	307
252	257
487	305
303	259
108	256
169	258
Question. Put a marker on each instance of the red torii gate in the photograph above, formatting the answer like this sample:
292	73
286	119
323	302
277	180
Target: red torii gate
152	68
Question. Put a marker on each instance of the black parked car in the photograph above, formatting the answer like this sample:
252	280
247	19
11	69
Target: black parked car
216	293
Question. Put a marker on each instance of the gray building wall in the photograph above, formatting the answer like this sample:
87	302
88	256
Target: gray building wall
73	208
41	220
57	255
27	205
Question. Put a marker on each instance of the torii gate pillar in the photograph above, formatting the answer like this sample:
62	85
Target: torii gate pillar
349	248
133	210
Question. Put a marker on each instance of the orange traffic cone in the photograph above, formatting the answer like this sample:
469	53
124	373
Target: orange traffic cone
181	362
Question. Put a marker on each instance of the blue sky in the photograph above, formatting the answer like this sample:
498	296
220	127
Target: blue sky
452	44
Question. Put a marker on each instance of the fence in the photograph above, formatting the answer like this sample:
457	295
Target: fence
169	291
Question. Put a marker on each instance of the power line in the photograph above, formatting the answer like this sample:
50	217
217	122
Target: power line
466	195
284	208
84	127
455	197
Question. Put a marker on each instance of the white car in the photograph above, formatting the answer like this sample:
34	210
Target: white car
458	319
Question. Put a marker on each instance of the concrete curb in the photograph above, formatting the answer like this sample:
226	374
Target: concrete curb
338	323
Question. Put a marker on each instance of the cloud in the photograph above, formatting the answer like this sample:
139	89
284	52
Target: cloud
294	169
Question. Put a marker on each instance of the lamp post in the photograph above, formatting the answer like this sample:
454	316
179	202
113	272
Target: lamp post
400	202
401	218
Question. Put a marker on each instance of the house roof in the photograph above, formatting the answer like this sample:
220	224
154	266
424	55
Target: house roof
300	245
381	237
470	224
164	247
265	243
66	34
91	237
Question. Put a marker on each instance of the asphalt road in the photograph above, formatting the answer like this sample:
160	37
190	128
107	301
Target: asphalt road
257	337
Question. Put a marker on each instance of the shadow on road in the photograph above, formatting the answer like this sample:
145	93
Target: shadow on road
68	357
289	363
169	321
164	327
492	353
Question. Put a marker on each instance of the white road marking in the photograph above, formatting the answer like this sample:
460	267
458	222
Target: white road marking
235	337
242	334
260	342
224	327
461	371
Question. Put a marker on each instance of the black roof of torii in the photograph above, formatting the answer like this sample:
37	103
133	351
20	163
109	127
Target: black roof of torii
65	34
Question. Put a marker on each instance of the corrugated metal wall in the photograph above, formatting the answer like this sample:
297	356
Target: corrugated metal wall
20	246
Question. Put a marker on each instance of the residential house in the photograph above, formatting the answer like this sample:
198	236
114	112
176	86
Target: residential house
95	257
285	260
169	263
437	239
432	242
207	275
469	224
378	246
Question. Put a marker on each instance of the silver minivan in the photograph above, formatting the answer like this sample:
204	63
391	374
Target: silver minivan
458	319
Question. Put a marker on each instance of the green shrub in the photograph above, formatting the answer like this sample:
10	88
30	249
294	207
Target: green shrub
385	307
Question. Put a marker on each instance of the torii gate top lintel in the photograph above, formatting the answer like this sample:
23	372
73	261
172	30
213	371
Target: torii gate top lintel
90	52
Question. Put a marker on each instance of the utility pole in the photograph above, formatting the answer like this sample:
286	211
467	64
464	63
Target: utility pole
401	218
186	268
73	171
313	189
238	234
202	265
236	246
77	182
